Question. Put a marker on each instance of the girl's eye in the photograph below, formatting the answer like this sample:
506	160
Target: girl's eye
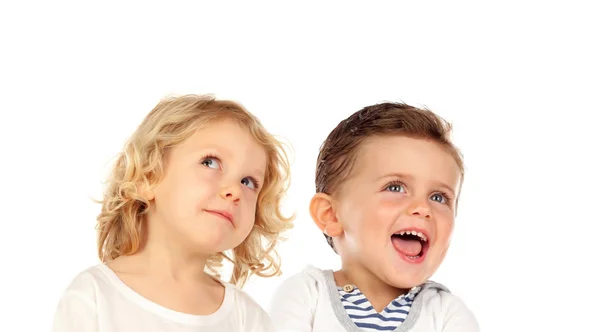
396	187
440	198
211	162
250	183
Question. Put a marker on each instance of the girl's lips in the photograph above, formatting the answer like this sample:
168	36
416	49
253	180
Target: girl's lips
223	214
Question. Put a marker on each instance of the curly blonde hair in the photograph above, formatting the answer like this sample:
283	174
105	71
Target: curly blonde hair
141	164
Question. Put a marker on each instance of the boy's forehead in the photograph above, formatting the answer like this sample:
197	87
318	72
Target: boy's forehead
393	154
385	147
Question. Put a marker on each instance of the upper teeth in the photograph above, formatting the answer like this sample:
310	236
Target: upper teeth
415	233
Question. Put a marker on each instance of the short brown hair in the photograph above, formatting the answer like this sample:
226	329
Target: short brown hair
141	162
338	153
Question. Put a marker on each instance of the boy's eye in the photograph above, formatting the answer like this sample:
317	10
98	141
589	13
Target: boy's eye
210	162
396	188
250	183
438	198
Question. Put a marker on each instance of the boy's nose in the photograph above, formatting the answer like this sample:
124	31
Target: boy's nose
423	212
421	209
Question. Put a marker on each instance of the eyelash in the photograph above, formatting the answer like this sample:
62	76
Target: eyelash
251	178
401	184
395	183
208	156
446	197
256	183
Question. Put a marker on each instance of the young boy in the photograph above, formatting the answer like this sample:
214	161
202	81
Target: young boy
388	180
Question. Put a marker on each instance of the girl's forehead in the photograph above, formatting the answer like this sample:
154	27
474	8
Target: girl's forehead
229	139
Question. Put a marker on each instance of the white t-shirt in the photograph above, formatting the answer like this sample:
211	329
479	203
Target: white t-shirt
98	301
309	302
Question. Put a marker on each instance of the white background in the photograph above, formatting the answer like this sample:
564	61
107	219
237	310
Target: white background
519	81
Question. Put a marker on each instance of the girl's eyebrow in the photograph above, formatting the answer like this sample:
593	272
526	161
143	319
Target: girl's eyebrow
259	173
224	151
218	148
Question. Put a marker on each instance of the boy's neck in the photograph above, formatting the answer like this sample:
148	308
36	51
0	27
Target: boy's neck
379	293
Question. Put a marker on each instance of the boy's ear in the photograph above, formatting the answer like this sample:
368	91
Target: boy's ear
323	214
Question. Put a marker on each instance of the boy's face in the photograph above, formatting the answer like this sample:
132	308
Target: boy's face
207	198
398	184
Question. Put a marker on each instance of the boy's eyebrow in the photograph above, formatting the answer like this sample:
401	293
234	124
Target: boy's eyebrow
447	187
396	175
410	177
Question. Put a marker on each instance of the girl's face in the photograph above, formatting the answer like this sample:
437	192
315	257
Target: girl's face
207	198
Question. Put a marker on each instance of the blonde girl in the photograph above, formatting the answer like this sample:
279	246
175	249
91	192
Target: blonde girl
199	181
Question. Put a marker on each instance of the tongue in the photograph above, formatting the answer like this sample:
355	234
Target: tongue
408	247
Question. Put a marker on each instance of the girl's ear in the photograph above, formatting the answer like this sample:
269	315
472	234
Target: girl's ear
323	215
145	191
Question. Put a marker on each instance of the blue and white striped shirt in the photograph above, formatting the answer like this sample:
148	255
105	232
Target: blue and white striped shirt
362	313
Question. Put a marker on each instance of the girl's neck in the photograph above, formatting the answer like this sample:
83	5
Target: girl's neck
172	262
174	283
165	256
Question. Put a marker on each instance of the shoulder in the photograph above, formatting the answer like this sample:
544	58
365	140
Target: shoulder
309	278
300	289
87	283
305	284
298	299
242	298
439	296
255	318
442	303
77	308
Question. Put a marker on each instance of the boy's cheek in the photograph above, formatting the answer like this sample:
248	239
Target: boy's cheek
445	235
442	254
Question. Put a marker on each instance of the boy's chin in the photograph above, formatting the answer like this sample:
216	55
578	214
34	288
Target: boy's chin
405	280
407	283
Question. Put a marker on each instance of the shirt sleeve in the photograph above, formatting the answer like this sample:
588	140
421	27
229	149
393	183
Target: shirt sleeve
293	304
75	313
459	318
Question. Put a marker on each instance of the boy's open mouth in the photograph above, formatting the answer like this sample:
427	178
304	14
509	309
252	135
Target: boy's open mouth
411	244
